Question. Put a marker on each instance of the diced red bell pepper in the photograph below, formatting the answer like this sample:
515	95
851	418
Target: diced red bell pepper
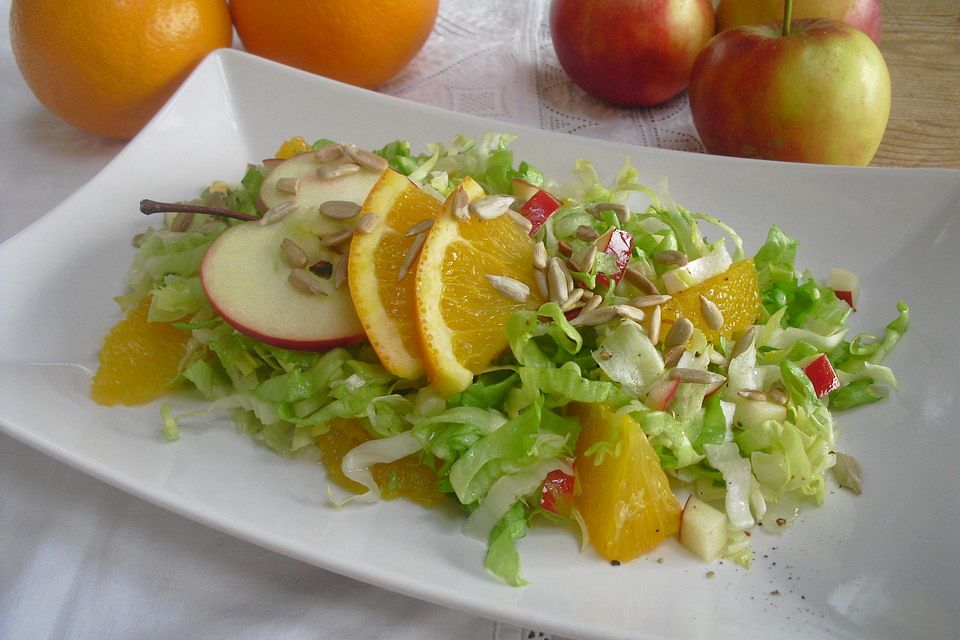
822	375
556	496
538	208
620	246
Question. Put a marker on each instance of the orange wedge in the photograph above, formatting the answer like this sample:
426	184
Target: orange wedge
460	314
735	292
384	301
623	495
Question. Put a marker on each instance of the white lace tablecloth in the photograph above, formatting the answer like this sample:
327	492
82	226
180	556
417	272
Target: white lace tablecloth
79	559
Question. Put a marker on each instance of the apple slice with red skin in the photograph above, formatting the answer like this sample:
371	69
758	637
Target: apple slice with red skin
246	276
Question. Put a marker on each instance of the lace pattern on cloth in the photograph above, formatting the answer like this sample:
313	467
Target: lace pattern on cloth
495	59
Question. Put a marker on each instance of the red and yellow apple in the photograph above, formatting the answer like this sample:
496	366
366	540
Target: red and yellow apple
865	15
819	94
630	52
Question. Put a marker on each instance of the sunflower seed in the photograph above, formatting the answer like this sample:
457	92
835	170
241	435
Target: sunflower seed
564	248
411	255
340	271
557	281
744	342
288	185
650	301
539	255
752	394
339	209
630	313
711	313
700	376
584	262
542	287
777	393
366	159
368	222
593	303
418	228
594	317
717	358
137	240
510	288
306	282
587	234
461	204
672	355
572	300
670	256
615	207
329	153
848	473
653	331
278	212
679	333
521	220
640	281
293	253
181	222
567	277
335	238
604	354
337	170
490	207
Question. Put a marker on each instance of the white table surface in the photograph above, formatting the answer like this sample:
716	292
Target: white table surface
80	559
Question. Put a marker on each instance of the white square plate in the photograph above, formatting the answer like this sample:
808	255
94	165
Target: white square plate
884	564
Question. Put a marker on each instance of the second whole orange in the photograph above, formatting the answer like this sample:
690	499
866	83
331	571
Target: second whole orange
361	42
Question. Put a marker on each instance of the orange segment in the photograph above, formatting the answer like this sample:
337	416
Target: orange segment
406	478
139	359
623	494
460	315
383	303
736	292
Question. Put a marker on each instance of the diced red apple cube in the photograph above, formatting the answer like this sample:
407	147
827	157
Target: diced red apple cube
538	208
556	495
845	284
661	395
822	375
619	244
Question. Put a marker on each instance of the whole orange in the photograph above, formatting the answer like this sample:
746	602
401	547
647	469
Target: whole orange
108	66
363	42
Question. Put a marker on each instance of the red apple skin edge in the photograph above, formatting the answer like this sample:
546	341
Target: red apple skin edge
630	52
865	15
819	95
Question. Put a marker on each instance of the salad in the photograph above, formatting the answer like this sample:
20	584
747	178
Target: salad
454	326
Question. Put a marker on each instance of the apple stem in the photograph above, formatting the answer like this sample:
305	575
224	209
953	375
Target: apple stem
148	207
787	17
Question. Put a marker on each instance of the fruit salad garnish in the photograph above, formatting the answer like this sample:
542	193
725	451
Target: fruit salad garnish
452	326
